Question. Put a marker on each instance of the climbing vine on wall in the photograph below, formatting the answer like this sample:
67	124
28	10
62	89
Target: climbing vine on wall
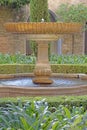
14	3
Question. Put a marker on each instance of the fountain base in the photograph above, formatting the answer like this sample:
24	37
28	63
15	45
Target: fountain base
42	80
22	85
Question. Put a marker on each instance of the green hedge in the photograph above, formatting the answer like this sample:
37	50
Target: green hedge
16	68
69	68
54	101
28	68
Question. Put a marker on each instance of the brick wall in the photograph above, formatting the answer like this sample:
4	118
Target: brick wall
10	43
73	44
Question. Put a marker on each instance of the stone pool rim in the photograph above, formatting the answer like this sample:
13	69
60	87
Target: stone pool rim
15	91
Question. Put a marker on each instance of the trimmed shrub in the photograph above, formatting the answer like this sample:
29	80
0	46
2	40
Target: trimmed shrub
29	68
16	68
69	68
54	101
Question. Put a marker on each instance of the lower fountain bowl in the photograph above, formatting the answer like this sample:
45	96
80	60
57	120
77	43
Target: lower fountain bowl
15	85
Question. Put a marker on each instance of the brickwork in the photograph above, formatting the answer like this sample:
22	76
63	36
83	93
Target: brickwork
5	16
10	43
73	44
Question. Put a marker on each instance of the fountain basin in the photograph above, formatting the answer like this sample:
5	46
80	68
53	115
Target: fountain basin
22	85
43	28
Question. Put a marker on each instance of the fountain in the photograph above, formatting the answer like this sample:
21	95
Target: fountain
43	83
42	33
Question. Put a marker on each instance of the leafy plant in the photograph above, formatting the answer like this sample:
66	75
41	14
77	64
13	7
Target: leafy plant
17	59
38	116
68	59
31	59
14	3
72	13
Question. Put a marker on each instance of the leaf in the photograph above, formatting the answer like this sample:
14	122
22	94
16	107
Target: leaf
77	121
67	112
55	125
25	124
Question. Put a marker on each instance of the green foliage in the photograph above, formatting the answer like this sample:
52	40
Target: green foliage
69	68
38	116
20	63
54	101
68	63
31	59
39	10
29	68
72	13
69	101
17	59
68	59
16	68
14	3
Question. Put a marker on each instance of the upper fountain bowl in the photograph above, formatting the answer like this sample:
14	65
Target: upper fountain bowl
43	27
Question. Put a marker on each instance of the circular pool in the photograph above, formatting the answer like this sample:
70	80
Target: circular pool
22	85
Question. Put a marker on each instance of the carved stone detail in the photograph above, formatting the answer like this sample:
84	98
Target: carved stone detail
42	70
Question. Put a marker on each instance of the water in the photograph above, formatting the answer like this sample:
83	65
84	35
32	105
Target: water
57	82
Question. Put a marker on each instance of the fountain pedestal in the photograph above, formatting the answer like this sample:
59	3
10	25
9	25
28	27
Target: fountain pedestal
42	70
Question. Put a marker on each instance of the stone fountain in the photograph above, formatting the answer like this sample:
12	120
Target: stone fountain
43	82
42	33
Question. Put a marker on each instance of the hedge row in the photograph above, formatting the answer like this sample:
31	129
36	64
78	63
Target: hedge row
28	68
55	101
69	68
16	68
